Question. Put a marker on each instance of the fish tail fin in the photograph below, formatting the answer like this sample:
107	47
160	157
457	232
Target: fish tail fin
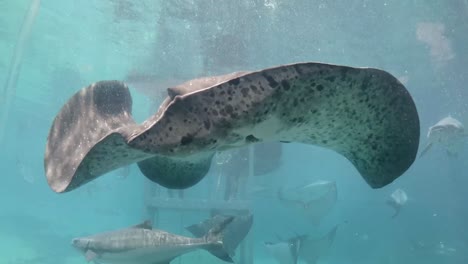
216	240
395	206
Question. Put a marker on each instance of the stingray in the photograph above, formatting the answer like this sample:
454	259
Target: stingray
364	114
448	132
314	200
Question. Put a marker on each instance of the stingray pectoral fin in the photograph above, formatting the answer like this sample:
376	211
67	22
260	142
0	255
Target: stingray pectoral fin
90	255
176	173
88	137
426	149
364	114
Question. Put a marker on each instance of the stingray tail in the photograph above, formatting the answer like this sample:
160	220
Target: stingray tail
215	239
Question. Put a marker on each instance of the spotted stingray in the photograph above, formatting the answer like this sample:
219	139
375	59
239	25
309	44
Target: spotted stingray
364	114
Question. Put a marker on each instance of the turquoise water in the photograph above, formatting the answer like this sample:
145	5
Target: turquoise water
49	53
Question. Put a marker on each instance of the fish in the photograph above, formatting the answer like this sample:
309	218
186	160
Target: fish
234	233
144	245
448	133
284	252
314	200
397	199
303	247
364	114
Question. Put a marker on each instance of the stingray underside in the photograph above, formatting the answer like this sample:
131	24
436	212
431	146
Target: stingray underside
364	114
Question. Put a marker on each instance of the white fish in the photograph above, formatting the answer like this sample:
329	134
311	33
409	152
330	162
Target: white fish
315	200
397	199
448	132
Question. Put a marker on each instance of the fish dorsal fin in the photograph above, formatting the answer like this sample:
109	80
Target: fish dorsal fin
145	225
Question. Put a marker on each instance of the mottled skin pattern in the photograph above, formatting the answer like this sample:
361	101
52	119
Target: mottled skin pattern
364	114
146	245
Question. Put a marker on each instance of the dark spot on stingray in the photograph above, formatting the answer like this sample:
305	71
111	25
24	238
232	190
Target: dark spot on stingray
295	102
229	98
251	139
222	93
207	124
285	85
228	109
214	112
187	139
234	81
217	102
245	92
254	88
319	87
212	94
285	141
270	80
331	78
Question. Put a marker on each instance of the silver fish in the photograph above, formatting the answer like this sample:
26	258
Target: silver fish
143	245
